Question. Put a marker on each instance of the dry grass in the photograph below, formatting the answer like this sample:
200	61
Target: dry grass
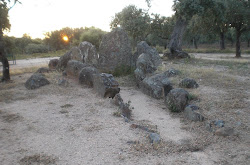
41	55
14	72
38	159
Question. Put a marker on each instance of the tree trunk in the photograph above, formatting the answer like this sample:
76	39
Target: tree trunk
238	51
222	41
3	59
176	40
195	43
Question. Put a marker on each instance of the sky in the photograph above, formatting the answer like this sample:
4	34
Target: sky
36	17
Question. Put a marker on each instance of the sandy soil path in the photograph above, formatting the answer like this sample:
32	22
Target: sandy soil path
56	125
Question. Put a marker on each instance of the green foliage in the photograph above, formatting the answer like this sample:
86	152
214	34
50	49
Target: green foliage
192	97
4	20
160	30
92	35
21	43
36	48
123	70
133	20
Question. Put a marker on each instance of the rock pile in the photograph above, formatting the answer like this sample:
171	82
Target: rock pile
37	80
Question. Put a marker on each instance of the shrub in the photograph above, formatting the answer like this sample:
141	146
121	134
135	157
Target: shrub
36	48
123	70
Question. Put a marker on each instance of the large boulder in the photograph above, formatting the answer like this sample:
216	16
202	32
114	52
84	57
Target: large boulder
74	67
147	62
114	51
143	47
144	65
105	85
188	83
53	63
89	53
43	70
177	100
72	54
172	72
156	86
191	113
36	81
86	76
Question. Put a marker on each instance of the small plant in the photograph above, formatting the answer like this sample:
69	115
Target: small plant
117	114
192	97
123	70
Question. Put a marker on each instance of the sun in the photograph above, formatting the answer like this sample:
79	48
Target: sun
66	38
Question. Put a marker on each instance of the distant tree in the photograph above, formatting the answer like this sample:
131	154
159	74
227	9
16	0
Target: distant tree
160	30
194	30
135	21
230	35
4	25
238	17
9	44
246	37
92	35
22	42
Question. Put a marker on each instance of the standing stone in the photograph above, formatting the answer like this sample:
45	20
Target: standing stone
74	67
89	53
177	99
72	54
115	51
105	85
156	86
86	76
147	62
143	47
53	63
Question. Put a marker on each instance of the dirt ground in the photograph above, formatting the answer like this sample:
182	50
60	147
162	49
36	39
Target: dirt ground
73	125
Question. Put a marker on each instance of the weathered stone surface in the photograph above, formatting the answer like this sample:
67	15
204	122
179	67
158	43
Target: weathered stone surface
172	72
156	86
143	47
224	131
72	54
154	138
89	53
36	81
86	76
212	126
74	67
177	100
105	85
43	70
123	107
115	50
63	82
188	83
118	101
53	63
219	123
76	54
191	113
